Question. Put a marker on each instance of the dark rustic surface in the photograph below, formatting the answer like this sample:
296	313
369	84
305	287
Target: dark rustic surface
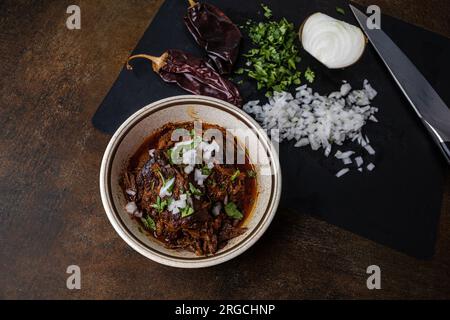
52	80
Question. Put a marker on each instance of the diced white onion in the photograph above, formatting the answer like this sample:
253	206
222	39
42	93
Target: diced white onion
188	169
192	149
343	155
345	89
342	172
369	149
164	191
175	205
359	161
317	120
327	151
216	209
130	192
347	161
131	207
199	177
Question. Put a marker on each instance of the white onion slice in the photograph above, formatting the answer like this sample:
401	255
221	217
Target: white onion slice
334	43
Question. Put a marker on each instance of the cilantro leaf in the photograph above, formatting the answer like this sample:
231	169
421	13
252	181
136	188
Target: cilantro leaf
194	191
310	75
186	212
232	211
205	171
267	11
149	223
159	205
235	175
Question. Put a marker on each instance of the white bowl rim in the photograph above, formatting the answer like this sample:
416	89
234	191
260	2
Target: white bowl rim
204	261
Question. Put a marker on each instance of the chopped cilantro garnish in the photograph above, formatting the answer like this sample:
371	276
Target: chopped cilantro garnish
187	211
267	11
232	211
272	61
310	75
194	191
235	175
149	223
160	205
206	171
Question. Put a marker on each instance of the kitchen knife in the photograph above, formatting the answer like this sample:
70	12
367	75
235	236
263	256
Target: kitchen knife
430	108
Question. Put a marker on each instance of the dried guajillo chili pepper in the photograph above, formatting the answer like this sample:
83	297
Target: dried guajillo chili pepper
215	32
192	74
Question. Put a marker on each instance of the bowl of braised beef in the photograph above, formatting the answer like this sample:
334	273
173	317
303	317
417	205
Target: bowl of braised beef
190	181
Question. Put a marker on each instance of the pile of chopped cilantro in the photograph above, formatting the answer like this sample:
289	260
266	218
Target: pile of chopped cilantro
273	60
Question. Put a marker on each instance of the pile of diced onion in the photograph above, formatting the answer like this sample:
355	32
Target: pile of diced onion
320	121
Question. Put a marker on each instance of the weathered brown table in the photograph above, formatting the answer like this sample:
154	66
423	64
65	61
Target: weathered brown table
52	80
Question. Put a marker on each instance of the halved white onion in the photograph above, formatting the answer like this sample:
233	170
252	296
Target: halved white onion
333	42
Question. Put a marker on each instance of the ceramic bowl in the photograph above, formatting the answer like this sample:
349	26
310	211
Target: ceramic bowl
132	133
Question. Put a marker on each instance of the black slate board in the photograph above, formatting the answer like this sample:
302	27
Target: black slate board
398	204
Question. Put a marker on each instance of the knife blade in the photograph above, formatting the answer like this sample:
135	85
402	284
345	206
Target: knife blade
425	101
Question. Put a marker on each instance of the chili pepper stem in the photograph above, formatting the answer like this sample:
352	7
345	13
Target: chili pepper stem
192	3
157	62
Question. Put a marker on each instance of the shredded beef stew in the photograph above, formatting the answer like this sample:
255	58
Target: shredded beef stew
182	192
